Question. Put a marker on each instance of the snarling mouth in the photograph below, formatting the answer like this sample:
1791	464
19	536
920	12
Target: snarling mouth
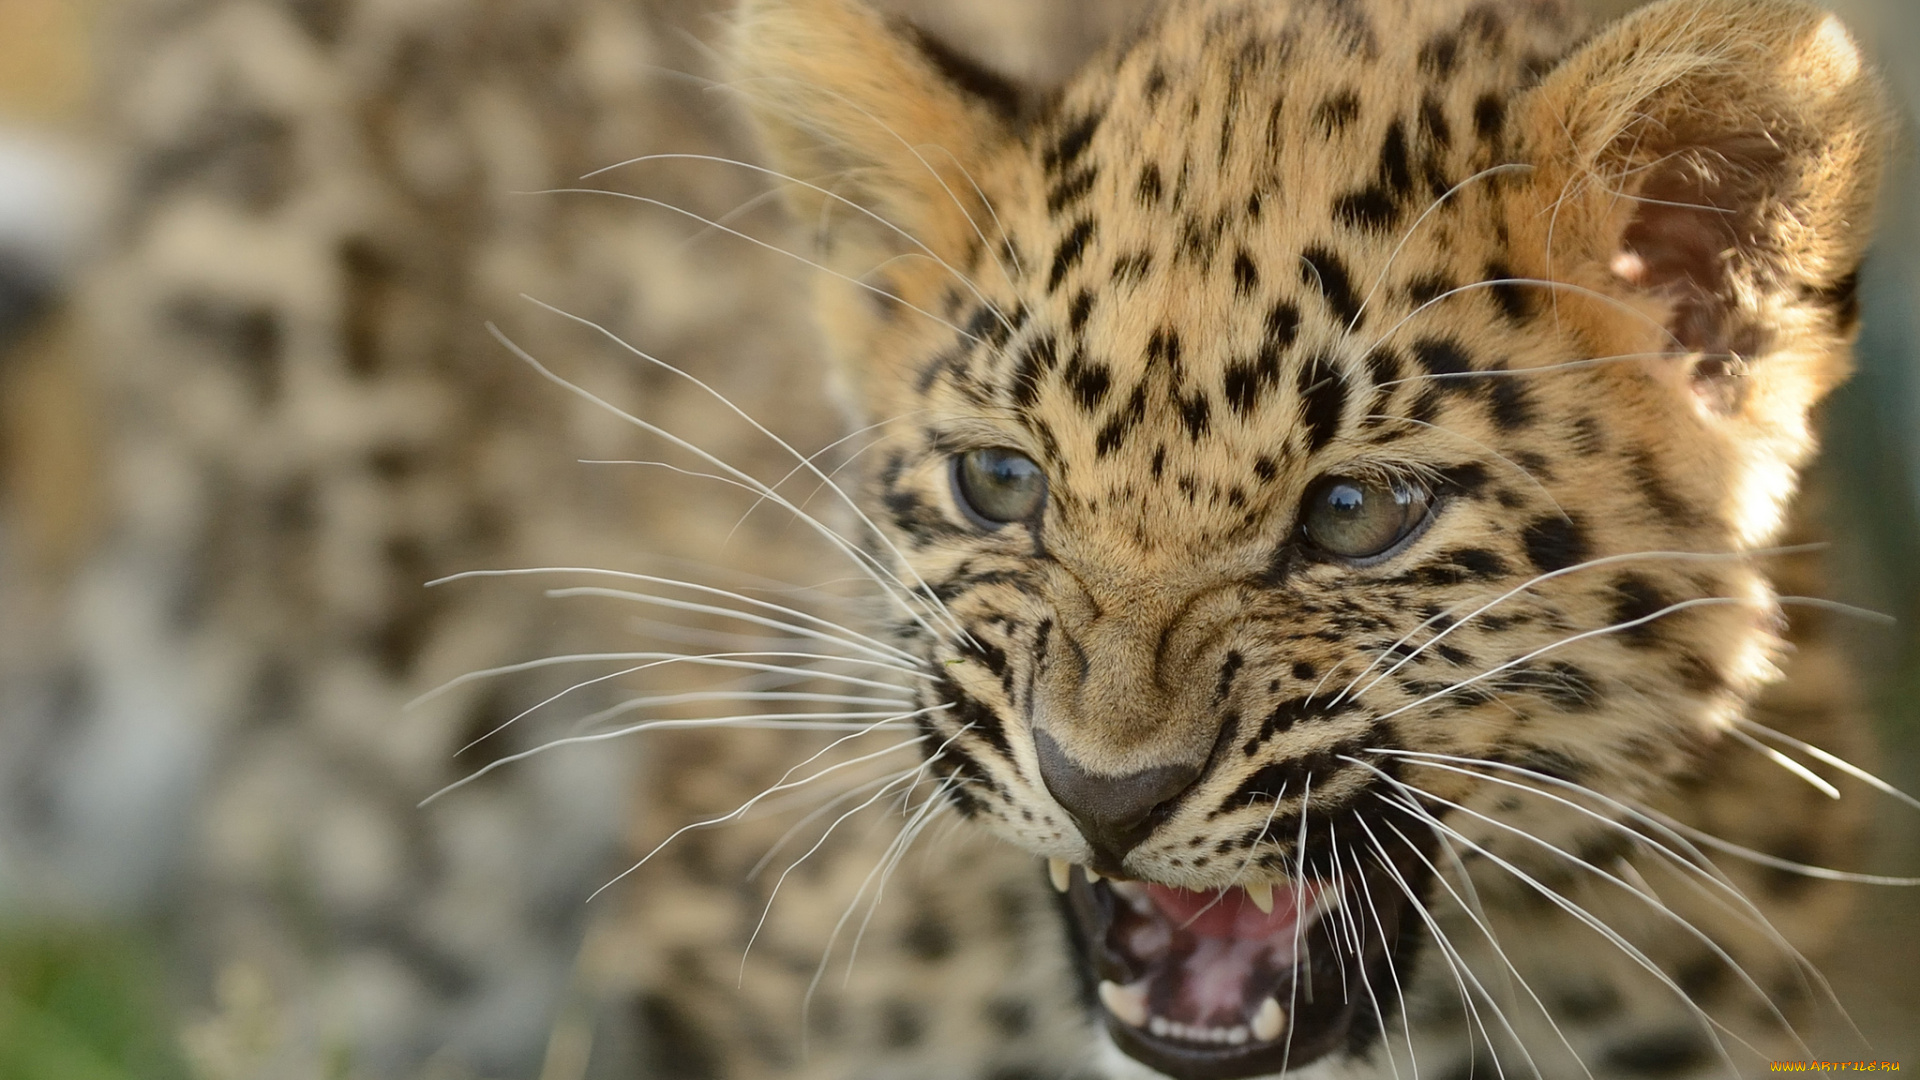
1236	982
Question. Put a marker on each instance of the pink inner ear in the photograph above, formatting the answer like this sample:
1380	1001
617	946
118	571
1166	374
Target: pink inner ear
1698	225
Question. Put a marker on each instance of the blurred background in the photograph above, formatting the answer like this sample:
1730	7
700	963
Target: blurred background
204	750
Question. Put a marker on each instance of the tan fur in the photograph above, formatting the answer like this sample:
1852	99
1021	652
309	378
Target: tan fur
1683	199
308	421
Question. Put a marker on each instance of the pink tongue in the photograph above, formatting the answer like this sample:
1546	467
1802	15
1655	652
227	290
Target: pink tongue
1213	915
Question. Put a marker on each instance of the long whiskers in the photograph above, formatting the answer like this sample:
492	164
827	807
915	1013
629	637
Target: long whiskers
920	590
1410	800
835	196
1530	583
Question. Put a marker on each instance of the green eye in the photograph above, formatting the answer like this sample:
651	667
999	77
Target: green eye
1358	519
998	485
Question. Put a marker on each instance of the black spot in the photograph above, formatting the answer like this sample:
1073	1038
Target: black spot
1070	251
1433	121
1326	272
1336	111
1514	299
1659	494
1274	115
1078	311
1283	325
1011	1017
1246	276
1001	95
1662	1053
1265	468
1477	563
1588	1003
1132	266
1246	380
927	937
1150	189
1589	435
1073	140
1323	401
673	1045
1441	356
322	19
901	1025
1489	116
1395	172
1426	406
1462	478
1164	348
1304	671
1156	84
250	337
1439	55
1512	407
1427	288
1383	368
1036	360
1555	543
1282	778
1843	298
1115	431
1196	413
1701	976
1635	598
1089	381
1372	208
1228	671
1072	189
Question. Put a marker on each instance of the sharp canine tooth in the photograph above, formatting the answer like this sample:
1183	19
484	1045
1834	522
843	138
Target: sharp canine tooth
1058	870
1269	1021
1262	896
1126	1003
1091	876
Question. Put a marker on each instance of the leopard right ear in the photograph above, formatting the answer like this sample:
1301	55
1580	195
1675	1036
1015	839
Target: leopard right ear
871	110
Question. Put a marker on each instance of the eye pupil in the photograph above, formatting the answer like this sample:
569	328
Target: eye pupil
1358	519
997	485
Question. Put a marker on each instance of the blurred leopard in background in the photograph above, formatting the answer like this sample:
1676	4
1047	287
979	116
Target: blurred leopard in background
1321	484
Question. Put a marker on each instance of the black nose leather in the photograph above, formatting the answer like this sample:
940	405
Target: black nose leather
1114	813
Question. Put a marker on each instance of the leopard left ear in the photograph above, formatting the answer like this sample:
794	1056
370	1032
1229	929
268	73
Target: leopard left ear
1714	163
869	111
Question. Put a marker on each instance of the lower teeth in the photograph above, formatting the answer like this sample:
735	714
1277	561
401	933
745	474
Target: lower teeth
1233	1036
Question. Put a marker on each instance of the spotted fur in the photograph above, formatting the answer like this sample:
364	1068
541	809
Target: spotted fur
1584	289
1250	245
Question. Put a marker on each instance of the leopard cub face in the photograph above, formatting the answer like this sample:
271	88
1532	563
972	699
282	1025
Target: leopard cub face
1310	424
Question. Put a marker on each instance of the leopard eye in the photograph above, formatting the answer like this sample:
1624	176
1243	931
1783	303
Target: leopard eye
1358	519
997	485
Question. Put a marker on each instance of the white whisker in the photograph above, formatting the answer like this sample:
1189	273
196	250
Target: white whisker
921	590
840	635
833	195
1837	762
1407	236
867	563
779	785
747	721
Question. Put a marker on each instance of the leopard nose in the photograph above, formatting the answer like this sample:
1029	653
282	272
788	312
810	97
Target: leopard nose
1114	813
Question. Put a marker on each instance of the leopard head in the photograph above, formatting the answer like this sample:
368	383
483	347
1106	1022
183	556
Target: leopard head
1313	422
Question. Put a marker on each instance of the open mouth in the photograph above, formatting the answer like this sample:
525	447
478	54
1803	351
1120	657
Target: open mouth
1237	982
